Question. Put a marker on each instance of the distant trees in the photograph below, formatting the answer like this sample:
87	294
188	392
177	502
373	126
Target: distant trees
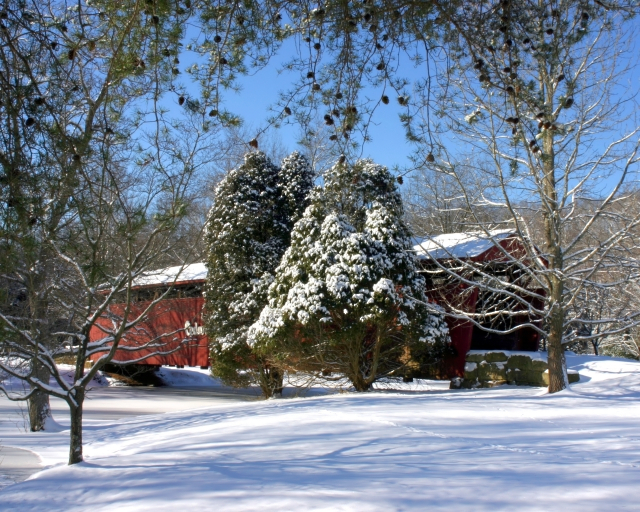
247	232
347	297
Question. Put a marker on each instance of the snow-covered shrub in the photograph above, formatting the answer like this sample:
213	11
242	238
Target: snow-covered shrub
247	232
347	297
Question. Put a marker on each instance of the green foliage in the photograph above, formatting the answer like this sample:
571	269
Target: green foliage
247	232
347	297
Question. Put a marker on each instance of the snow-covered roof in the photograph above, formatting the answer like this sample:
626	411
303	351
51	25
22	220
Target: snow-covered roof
193	272
460	245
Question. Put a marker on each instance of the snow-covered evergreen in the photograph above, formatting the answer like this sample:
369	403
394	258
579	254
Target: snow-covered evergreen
248	230
346	296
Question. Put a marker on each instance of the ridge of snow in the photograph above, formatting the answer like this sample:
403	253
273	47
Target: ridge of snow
170	275
460	245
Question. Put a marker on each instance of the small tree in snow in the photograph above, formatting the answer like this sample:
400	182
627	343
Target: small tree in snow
248	230
346	297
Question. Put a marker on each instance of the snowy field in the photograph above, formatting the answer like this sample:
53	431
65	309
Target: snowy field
506	448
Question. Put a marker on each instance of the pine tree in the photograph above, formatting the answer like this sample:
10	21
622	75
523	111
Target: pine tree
347	297
248	230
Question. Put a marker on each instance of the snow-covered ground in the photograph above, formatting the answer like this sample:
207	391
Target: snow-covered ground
505	448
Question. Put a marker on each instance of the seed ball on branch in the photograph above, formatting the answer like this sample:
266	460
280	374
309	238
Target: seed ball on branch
342	159
328	122
335	112
253	143
217	38
526	40
549	31
213	113
400	180
333	137
380	66
506	69
315	86
53	45
540	115
385	99
532	143
513	76
338	95
317	46
155	19
503	29
560	77
223	61
76	157
514	131
71	54
30	121
311	74
181	100
402	100
176	60
38	101
568	102
509	42
287	111
166	52
307	39
175	71
585	16
511	90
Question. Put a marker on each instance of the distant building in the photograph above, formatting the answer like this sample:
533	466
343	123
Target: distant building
452	264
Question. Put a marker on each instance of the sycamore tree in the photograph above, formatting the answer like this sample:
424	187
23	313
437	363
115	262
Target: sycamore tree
247	232
537	89
347	297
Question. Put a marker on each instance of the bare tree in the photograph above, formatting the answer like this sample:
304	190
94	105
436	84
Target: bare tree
537	90
97	178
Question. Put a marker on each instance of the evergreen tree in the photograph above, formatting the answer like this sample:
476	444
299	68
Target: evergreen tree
347	297
248	230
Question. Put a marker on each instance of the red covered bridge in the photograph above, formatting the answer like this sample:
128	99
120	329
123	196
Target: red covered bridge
180	313
477	255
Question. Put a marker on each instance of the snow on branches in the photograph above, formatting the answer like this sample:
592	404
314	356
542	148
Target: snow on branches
349	279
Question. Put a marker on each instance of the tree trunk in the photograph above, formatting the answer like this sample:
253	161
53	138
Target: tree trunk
38	404
558	379
75	443
271	382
